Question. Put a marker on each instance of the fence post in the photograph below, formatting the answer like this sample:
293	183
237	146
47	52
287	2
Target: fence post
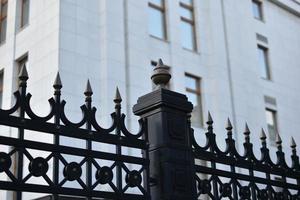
172	174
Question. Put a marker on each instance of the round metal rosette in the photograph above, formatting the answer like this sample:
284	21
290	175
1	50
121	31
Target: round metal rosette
226	190
133	178
72	171
204	187
5	162
263	194
245	192
38	167
104	175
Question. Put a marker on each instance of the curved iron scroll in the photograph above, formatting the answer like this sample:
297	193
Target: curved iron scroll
229	174
112	169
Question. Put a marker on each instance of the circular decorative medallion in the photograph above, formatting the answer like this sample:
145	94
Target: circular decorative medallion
5	162
245	192
133	178
204	186
104	175
226	190
38	167
72	171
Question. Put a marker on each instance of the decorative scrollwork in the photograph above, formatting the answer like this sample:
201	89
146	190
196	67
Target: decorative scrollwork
248	162
85	169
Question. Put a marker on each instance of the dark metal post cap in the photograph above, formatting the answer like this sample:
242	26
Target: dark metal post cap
161	75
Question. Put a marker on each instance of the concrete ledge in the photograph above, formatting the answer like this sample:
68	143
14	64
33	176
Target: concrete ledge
292	6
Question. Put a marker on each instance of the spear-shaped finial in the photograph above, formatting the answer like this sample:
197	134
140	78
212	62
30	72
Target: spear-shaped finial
209	123
229	125
263	136
161	75
247	133
229	128
293	143
88	90
57	83
278	142
278	139
118	98
209	119
23	75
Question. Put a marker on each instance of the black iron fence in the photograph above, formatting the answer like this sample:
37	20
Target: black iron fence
245	176
118	176
172	165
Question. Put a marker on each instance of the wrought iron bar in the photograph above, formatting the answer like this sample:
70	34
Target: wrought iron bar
23	77
57	94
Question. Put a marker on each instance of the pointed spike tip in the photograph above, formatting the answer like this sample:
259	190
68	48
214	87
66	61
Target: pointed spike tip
293	143
23	72
118	97
229	125
88	90
247	130
263	134
278	139
209	118
160	63
57	83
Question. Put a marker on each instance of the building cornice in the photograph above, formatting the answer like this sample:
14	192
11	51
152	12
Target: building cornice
292	6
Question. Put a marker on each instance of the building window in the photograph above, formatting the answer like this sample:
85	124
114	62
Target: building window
157	20
272	124
24	13
188	36
1	88
3	20
193	92
257	9
263	62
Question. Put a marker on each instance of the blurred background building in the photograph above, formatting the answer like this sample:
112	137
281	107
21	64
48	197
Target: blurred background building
238	59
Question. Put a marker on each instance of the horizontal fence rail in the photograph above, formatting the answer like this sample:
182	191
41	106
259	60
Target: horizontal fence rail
91	170
230	175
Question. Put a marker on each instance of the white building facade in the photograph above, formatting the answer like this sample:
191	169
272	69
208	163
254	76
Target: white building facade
238	59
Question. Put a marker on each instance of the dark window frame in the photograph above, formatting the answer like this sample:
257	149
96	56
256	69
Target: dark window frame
190	7
2	18
266	57
161	8
22	23
275	120
197	92
260	9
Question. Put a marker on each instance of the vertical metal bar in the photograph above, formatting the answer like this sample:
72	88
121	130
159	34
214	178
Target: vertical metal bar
234	186
253	193
210	136
23	77
118	152
57	93
118	101
268	177
215	183
88	93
